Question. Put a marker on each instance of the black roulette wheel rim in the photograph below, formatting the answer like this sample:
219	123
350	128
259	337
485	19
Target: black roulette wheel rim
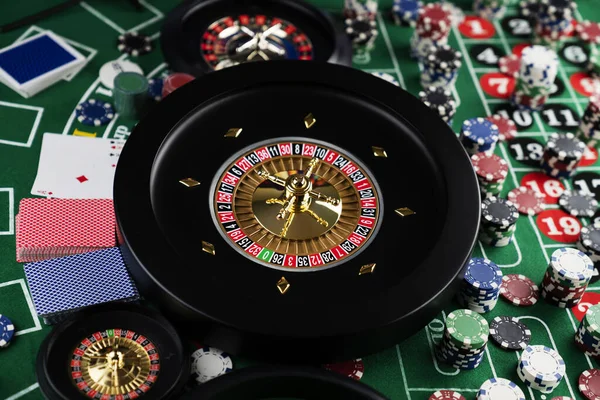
281	381
219	305
184	26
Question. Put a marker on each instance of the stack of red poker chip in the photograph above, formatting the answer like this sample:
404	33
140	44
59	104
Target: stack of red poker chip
491	172
432	29
507	130
352	369
510	65
527	201
174	82
446	395
589	383
589	127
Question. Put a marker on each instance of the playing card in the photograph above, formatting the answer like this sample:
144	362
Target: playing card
49	228
69	283
38	62
76	167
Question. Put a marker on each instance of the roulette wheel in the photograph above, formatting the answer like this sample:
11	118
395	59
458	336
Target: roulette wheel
118	350
202	36
275	211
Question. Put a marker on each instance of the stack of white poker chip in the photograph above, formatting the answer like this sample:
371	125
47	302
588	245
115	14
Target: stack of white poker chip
567	277
541	368
209	363
539	67
499	388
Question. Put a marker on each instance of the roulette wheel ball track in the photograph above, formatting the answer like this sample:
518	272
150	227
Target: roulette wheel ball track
191	189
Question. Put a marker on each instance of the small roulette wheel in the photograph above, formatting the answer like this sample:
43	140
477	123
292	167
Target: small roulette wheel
277	206
202	36
114	351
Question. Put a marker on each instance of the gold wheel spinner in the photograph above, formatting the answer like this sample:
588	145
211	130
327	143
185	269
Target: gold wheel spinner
115	365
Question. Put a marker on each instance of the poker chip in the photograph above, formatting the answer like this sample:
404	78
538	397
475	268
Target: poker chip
562	398
440	66
361	30
209	363
498	221
519	290
174	82
507	129
134	44
440	100
589	242
109	71
489	167
529	8
526	200
587	336
510	65
489	9
94	112
155	87
406	12
566	278
446	395
7	331
480	286
352	369
479	135
387	77
589	31
500	389
589	126
578	204
541	368
537	72
562	155
434	21
464	341
510	333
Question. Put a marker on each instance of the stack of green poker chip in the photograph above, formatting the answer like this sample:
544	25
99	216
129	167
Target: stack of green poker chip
465	340
587	337
131	94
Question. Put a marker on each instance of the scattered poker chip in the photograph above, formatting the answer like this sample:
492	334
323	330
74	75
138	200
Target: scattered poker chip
94	112
7	331
446	395
589	384
526	200
352	369
500	389
386	77
519	290
589	31
578	204
134	44
155	88
507	129
510	65
209	363
489	166
510	333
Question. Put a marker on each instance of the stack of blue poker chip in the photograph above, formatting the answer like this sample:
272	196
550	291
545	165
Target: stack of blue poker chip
7	331
480	287
479	135
541	368
463	346
554	21
490	9
94	112
405	12
459	357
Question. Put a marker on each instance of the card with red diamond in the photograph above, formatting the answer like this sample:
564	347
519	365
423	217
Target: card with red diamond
76	167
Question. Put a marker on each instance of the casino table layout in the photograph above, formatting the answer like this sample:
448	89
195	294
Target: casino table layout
408	370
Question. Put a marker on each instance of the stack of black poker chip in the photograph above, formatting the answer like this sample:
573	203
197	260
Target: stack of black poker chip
562	155
363	32
589	242
498	221
440	66
589	127
441	101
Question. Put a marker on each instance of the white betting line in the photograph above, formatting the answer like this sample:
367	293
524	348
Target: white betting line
158	15
156	70
101	17
23	392
388	43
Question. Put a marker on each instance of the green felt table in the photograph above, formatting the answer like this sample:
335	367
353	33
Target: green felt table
406	371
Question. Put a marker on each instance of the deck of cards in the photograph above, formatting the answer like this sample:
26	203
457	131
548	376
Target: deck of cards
38	62
61	286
